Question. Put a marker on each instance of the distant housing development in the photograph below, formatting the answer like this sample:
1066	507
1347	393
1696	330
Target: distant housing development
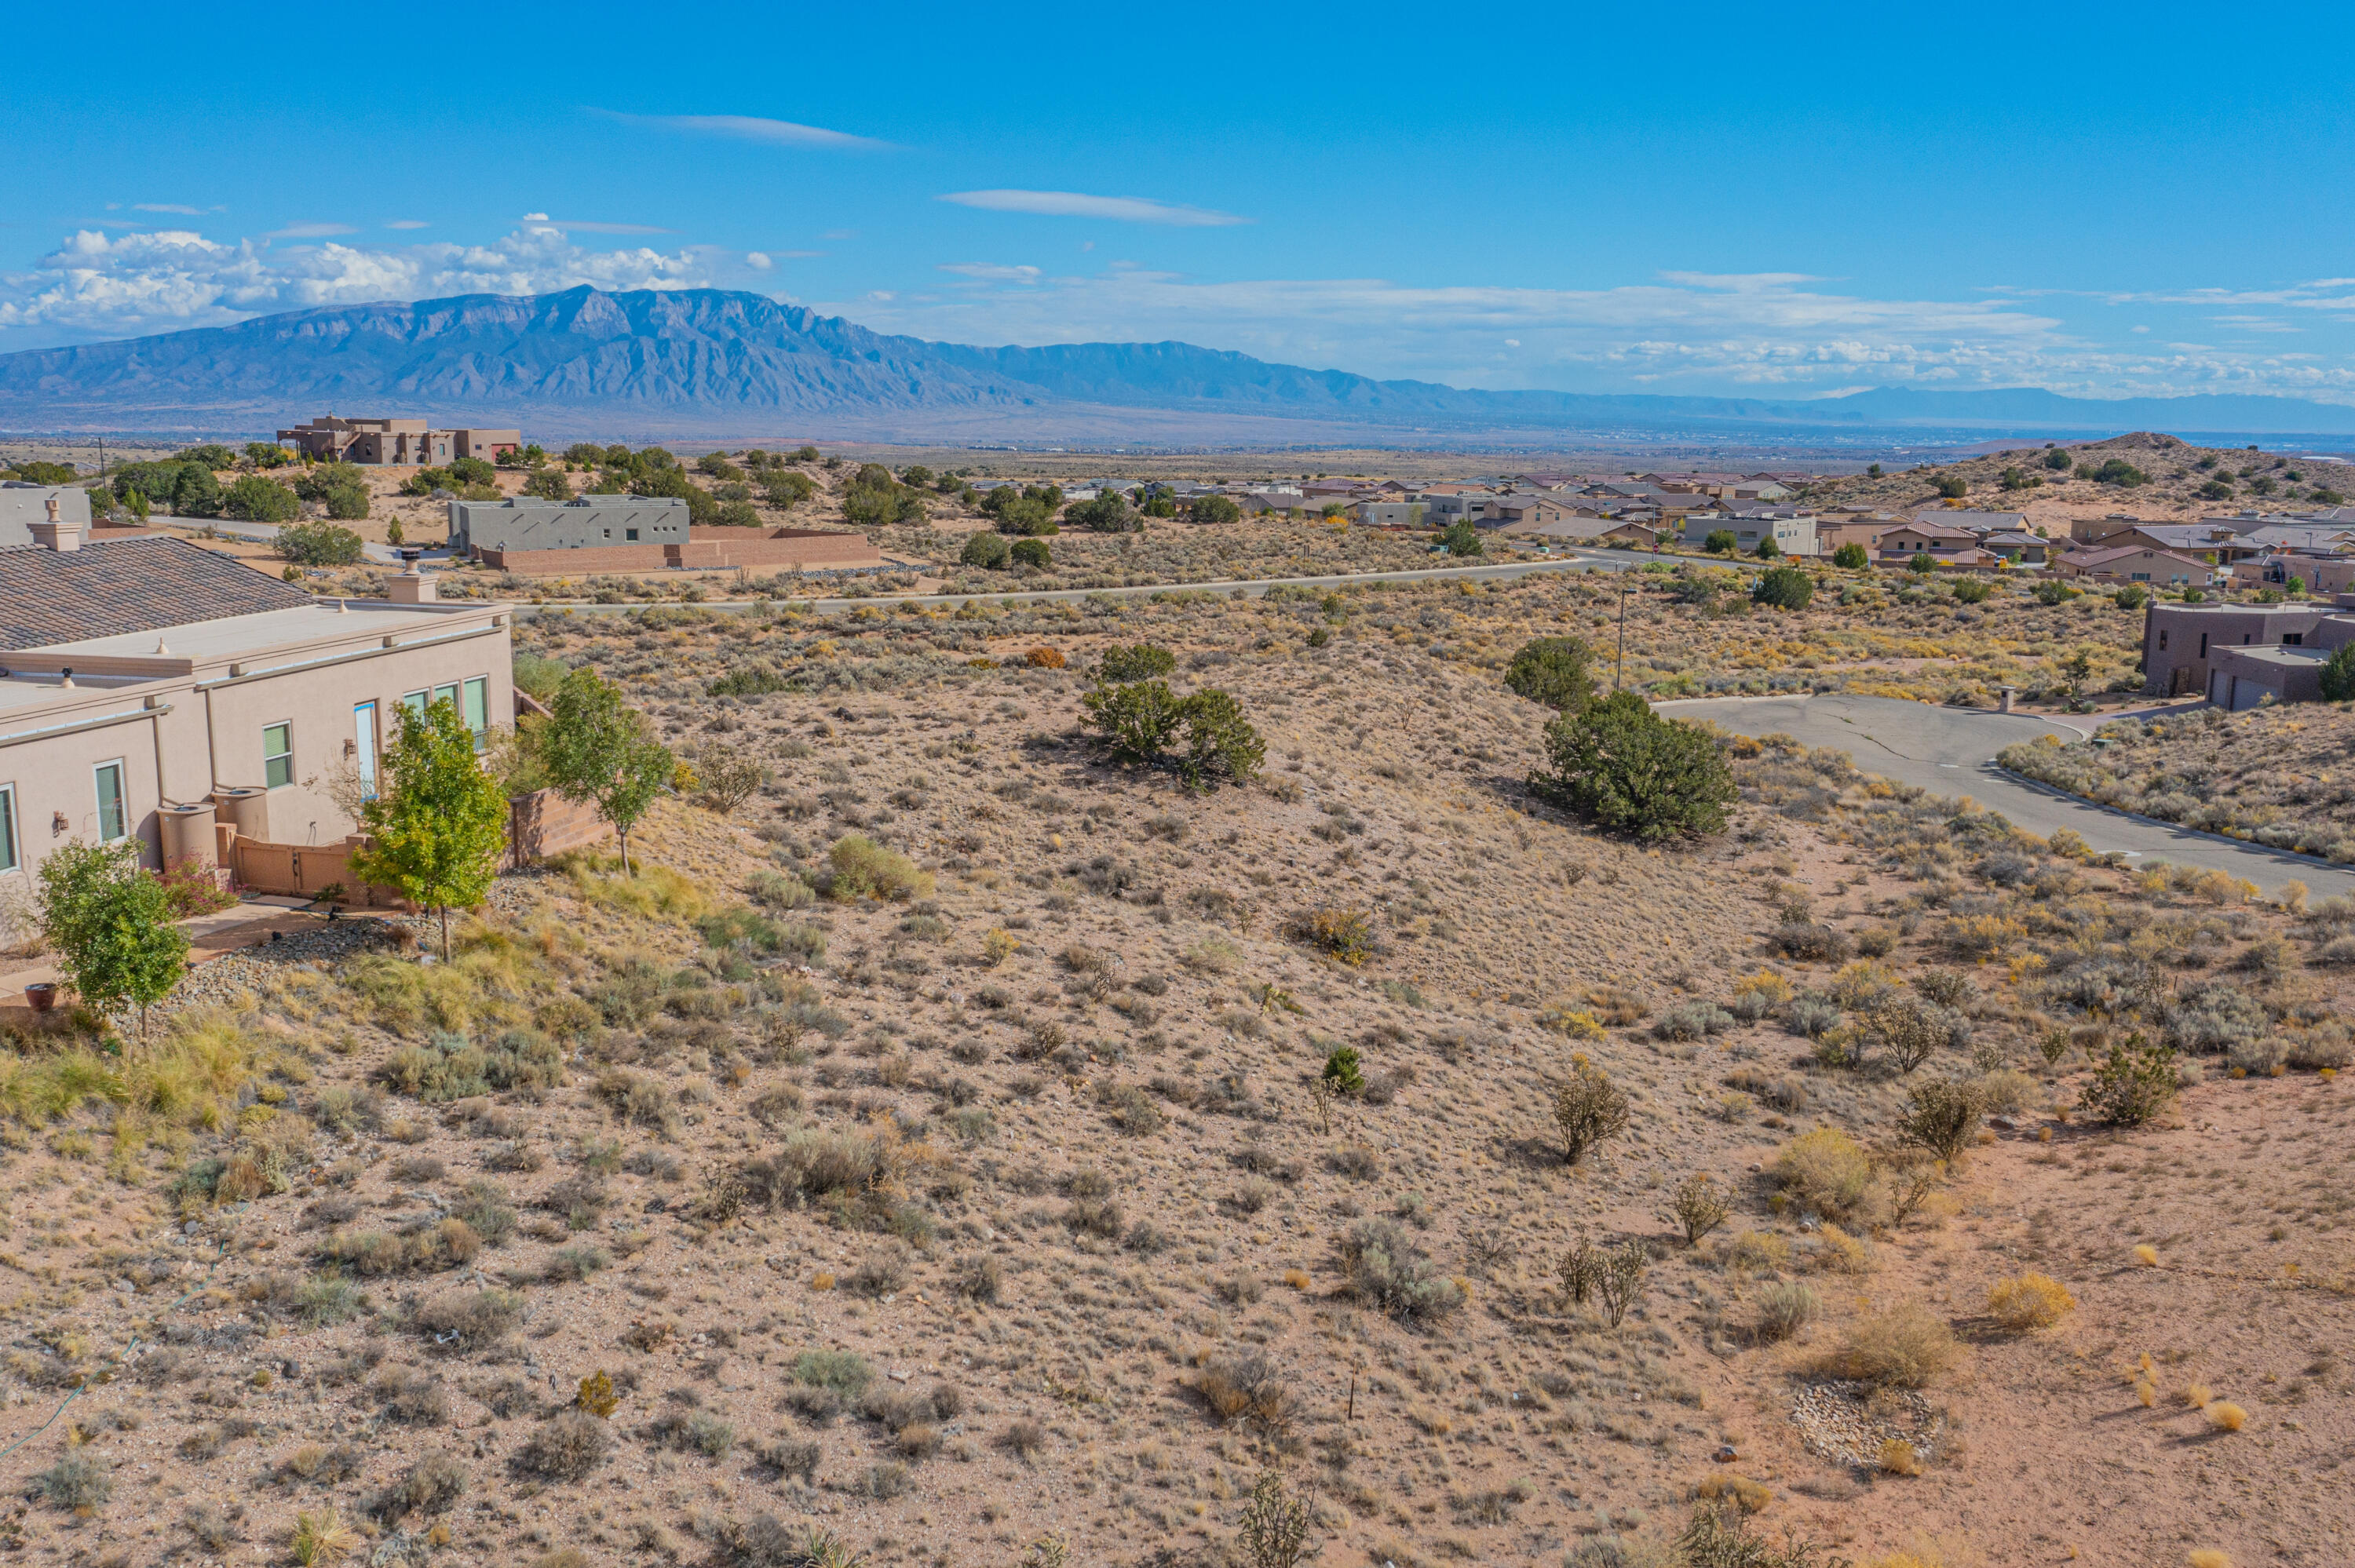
395	441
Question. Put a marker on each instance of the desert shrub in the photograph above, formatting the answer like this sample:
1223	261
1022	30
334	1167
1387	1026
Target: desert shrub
2215	1017
1825	1171
1906	1346
2029	1301
470	1321
429	1485
566	1447
1909	1032
792	1460
1031	553
1588	1110
2132	1084
78	1481
1245	1387
1623	766
1784	1308
448	1066
858	867
1345	935
1691	1020
1812	942
1812	1017
318	545
1941	1115
812	1163
1387	1272
1699	1206
978	1276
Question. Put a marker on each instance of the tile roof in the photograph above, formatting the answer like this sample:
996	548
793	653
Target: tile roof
126	585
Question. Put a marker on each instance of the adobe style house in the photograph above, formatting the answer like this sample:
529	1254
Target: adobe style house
153	691
593	534
2243	656
396	442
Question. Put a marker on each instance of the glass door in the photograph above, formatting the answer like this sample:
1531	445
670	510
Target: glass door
363	723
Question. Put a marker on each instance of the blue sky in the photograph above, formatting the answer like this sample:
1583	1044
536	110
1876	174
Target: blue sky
1769	201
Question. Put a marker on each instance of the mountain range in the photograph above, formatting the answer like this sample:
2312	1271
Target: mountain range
723	363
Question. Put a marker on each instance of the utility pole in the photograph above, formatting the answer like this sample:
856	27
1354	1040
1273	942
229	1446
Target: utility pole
1620	669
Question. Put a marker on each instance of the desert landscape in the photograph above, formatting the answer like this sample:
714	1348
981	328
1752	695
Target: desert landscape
952	1145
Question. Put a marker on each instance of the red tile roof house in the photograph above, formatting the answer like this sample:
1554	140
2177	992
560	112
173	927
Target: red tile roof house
152	691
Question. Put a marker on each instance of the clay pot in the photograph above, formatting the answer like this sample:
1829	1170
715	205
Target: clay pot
42	994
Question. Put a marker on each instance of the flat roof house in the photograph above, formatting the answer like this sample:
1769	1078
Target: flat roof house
2243	655
396	442
150	690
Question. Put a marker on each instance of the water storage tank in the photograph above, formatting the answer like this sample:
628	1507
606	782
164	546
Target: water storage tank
248	810
188	835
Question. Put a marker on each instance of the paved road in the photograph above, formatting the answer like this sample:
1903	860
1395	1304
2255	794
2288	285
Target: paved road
1576	560
1952	751
265	532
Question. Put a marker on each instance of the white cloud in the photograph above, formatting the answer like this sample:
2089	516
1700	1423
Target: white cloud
752	128
311	231
758	260
100	285
984	272
169	206
408	223
1767	332
1071	204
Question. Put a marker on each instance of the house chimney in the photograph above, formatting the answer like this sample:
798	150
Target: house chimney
57	534
411	587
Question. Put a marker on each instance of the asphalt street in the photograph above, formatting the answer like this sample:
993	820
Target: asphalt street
1952	751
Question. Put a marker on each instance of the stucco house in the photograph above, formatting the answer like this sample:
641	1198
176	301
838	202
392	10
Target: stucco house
153	691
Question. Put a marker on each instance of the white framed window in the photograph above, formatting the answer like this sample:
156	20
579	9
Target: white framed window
476	709
278	755
8	861
113	811
415	703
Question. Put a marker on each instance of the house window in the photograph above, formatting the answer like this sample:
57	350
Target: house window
448	693
2203	645
2292	638
2162	640
363	747
7	827
278	755
630	535
477	710
415	703
114	820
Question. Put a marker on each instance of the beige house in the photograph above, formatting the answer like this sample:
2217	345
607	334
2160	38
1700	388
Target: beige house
396	442
155	692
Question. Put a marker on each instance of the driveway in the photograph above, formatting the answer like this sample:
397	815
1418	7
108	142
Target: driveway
1950	751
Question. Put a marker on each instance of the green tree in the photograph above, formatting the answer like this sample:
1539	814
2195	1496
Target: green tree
787	487
253	499
1872	470
1031	553
1462	538
1923	564
1974	590
1557	671
1217	742
111	924
1953	486
474	471
2339	676
1720	542
2120	472
1213	509
211	454
1768	549
1622	766
1851	558
436	829
2134	596
1109	513
598	750
1786	588
32	470
2059	461
267	454
549	485
1136	720
318	545
1137	662
984	549
195	493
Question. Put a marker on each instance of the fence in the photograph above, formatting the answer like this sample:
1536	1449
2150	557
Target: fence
539	824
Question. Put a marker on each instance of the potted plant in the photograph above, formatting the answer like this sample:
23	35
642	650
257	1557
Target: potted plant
42	994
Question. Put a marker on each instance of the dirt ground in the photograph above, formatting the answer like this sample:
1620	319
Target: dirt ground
1103	1268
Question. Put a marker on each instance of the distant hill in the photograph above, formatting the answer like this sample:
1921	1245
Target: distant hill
713	361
